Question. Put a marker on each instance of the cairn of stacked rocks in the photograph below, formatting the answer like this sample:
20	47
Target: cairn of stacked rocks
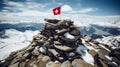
58	45
59	40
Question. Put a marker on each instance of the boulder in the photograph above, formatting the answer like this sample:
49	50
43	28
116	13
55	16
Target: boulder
66	64
80	63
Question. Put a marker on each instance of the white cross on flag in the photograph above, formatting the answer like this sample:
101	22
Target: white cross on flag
57	11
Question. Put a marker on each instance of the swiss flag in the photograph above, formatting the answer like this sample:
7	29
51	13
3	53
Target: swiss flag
57	11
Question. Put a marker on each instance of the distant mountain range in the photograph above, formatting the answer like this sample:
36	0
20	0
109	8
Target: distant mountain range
95	31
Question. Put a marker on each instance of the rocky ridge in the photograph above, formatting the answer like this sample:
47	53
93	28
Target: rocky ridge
60	44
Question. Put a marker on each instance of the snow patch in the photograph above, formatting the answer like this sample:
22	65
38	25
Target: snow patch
68	35
88	58
16	40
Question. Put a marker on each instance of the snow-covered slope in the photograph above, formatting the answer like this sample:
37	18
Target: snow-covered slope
112	41
14	40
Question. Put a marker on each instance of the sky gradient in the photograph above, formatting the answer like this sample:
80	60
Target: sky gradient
87	7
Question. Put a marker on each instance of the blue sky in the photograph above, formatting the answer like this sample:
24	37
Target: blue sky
88	7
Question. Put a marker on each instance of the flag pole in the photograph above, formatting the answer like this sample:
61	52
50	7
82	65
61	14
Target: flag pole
60	13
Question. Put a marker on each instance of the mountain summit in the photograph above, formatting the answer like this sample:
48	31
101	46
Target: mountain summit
60	44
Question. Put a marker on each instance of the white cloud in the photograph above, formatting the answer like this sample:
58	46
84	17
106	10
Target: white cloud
12	3
86	10
66	8
22	6
33	13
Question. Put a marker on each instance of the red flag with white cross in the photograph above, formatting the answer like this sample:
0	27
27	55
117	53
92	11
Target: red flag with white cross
57	11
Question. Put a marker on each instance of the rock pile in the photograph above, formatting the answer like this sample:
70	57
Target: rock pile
59	44
59	40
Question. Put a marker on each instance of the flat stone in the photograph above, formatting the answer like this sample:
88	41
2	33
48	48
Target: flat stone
65	22
63	47
52	20
73	26
62	31
57	42
80	63
66	64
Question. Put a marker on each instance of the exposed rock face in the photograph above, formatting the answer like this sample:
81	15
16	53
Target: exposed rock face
59	44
